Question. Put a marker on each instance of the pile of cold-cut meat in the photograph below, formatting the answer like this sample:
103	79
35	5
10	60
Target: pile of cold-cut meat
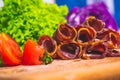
90	40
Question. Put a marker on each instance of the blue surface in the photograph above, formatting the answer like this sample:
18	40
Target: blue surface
117	11
81	3
71	3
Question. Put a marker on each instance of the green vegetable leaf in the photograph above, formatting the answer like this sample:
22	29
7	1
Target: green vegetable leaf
47	59
1	63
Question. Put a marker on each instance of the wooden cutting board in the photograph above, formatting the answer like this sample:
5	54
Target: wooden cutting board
98	69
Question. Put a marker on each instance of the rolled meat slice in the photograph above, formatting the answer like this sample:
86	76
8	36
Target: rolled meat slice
111	38
112	41
96	50
64	33
113	53
97	24
69	50
85	35
48	44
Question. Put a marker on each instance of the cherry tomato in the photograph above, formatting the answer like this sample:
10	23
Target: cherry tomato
32	53
9	50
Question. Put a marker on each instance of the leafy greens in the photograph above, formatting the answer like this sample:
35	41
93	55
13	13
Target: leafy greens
23	19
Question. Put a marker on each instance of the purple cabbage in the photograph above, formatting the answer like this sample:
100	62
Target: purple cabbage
77	15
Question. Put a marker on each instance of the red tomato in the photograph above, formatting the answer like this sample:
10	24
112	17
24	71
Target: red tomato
10	50
32	53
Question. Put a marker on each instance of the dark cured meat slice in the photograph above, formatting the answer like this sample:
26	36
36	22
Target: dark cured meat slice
48	44
97	24
64	33
111	38
70	50
113	53
85	35
96	50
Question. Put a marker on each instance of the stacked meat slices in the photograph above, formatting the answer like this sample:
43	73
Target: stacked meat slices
89	40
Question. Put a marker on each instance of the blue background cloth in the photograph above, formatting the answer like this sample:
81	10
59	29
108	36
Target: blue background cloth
81	3
117	11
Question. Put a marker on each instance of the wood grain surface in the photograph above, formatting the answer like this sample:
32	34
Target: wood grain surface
97	69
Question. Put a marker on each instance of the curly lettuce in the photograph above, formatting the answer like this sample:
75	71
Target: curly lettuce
24	19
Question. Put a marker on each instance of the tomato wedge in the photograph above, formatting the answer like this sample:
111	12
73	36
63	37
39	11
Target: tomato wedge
9	50
32	53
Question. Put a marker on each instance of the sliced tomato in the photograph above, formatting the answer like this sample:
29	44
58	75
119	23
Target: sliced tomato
32	53
10	50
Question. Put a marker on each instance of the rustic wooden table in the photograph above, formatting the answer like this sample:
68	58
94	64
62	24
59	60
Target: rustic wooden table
100	69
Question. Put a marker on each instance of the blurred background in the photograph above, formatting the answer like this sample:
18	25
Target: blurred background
113	6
